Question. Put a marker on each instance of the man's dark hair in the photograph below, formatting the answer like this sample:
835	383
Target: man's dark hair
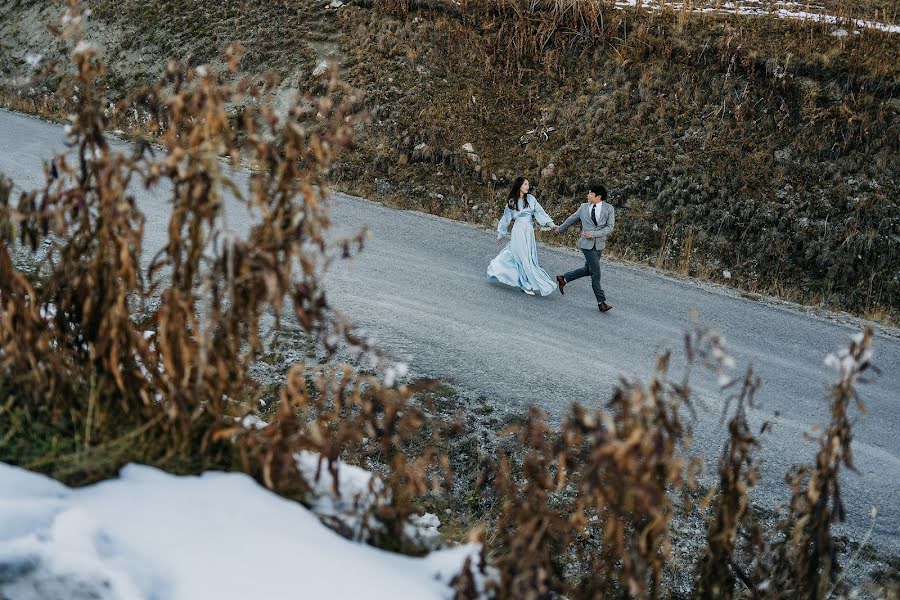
598	189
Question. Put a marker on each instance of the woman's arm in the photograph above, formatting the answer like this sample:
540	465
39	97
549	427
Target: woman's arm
503	225
541	215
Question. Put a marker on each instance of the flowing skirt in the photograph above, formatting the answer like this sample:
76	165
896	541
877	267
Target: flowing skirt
517	264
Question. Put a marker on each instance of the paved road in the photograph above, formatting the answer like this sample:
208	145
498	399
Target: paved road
420	289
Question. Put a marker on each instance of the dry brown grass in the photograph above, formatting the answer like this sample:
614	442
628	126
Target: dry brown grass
104	363
154	365
586	509
806	557
720	566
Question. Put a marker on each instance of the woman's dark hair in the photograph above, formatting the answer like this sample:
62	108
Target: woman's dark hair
513	200
598	189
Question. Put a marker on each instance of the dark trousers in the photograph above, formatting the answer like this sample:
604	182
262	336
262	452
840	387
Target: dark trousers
591	267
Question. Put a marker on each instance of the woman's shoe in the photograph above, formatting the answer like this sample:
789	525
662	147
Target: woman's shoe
529	292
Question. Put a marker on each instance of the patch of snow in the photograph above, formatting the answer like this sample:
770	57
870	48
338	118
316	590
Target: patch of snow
84	46
831	19
321	68
783	10
33	60
253	422
47	311
845	363
347	501
392	372
423	529
149	534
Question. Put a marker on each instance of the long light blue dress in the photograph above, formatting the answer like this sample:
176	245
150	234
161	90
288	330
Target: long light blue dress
517	264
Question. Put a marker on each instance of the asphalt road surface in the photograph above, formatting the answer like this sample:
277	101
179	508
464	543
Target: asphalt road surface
420	289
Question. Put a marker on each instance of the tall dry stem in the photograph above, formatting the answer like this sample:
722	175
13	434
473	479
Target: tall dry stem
807	558
720	567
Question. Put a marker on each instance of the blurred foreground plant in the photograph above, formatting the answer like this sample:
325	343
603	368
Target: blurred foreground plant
153	364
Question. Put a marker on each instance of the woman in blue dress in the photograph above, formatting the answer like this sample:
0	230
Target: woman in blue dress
517	264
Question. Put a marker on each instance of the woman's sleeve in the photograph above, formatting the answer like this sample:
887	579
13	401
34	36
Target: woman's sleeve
541	215
504	223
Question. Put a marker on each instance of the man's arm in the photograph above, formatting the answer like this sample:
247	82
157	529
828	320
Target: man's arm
607	227
569	222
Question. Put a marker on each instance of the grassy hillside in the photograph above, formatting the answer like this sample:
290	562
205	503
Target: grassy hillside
102	364
756	151
764	148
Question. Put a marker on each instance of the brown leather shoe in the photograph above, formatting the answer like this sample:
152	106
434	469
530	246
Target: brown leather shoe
561	282
603	306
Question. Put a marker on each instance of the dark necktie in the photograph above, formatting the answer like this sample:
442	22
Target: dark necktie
593	214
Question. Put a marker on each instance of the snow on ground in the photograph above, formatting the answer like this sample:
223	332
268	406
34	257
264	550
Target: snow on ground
783	10
348	506
152	535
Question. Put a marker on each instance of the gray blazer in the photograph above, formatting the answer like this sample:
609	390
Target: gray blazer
606	219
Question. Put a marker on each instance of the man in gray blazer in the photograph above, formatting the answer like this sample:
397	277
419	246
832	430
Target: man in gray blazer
597	220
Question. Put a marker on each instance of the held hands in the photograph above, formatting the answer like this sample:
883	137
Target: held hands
588	234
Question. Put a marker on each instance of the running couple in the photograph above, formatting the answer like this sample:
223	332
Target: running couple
517	264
